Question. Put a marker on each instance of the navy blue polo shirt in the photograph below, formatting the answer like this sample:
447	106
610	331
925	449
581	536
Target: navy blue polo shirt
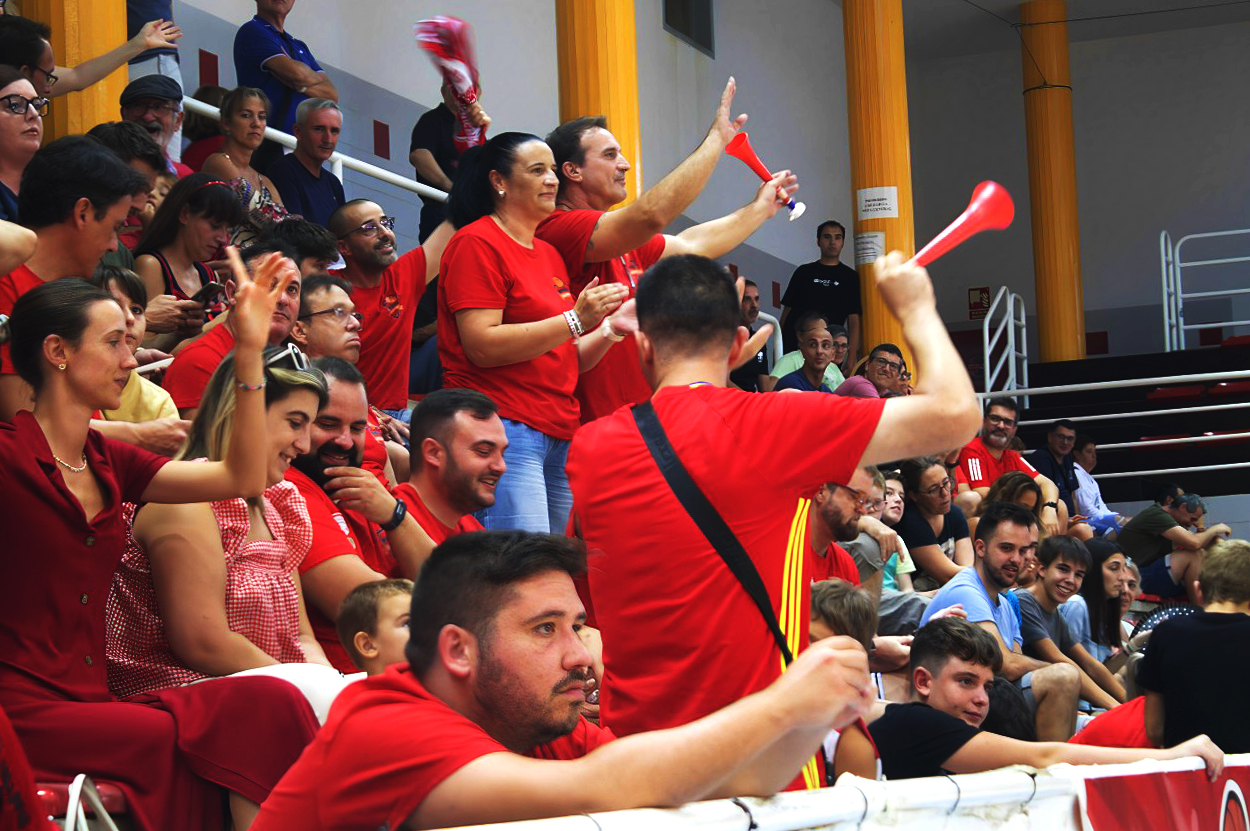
256	42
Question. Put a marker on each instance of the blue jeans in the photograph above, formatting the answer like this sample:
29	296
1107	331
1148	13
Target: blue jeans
534	494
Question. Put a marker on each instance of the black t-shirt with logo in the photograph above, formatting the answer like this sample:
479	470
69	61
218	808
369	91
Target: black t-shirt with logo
832	290
747	376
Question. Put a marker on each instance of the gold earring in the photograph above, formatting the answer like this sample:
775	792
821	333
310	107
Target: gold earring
501	193
61	367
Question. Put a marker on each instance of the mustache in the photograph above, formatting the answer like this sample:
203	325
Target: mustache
573	681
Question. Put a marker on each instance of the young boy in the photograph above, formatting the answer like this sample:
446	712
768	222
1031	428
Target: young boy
838	608
953	663
1064	562
373	624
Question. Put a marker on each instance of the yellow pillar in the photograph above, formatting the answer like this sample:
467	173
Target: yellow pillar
598	65
1052	181
81	30
876	103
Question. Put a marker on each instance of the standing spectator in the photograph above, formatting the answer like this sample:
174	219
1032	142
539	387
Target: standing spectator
432	154
933	527
21	133
307	188
828	286
1168	553
752	376
154	102
267	57
161	60
244	114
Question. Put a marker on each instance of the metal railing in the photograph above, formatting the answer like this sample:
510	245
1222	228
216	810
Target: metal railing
774	341
1172	266
1011	337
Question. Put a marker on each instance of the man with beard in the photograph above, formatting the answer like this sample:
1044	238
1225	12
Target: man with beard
1005	534
385	289
154	102
834	518
988	457
360	531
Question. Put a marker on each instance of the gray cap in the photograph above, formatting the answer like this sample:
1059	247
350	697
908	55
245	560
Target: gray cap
152	86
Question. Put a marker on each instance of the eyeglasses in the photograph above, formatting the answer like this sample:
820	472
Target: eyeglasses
940	489
890	367
997	419
370	228
340	314
298	359
861	499
840	347
18	105
52	79
158	107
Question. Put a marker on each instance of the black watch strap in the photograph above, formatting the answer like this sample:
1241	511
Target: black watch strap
401	511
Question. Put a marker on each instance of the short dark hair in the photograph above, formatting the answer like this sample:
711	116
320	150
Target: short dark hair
1003	512
1166	491
751	283
888	348
57	307
200	193
338	369
820	229
1009	714
127	282
336	224
940	640
1225	572
265	246
688	304
359	612
319	282
1082	441
308	238
565	141
835	330
1004	401
21	40
432	416
469	577
130	142
845	609
1063	423
806	320
69	169
472	196
234	99
913	469
1063	547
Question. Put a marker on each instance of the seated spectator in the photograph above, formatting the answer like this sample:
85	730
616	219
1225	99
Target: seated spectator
154	102
315	247
360	531
176	254
1065	563
833	518
1195	660
373	624
135	147
425	744
1004	534
212	588
899	607
952	667
201	134
879	374
244	114
1132	591
932	526
751	375
792	361
189	373
866	548
306	186
1056	462
816	346
76	194
1093	612
988	456
897	571
1168	553
21	133
1018	489
1089	504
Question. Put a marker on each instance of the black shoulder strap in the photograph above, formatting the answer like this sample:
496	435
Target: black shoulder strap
705	516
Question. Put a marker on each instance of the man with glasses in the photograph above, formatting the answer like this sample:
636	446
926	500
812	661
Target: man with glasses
988	457
154	102
834	518
885	372
386	289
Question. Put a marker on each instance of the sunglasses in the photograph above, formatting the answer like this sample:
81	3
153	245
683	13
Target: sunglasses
298	359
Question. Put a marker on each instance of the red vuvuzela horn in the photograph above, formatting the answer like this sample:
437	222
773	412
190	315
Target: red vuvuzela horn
990	209
740	148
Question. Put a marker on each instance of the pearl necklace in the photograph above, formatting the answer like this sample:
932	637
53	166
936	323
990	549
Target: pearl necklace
70	467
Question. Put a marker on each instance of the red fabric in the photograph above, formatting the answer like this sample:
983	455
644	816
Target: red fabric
262	604
12	286
429	523
20	806
386	330
180	170
131	232
836	564
1123	726
681	637
198	151
338	532
961	478
374	459
982	469
53	682
387	743
188	375
616	380
484	268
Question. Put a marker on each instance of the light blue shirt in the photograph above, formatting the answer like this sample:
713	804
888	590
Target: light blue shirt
966	588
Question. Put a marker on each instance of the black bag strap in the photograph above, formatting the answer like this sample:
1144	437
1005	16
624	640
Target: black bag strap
705	516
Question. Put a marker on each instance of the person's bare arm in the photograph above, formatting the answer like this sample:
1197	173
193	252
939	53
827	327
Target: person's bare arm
220	166
301	77
1154	717
313	653
17	245
943	411
964	555
854	348
718	237
359	490
622	231
1098	672
855	754
163	436
422	161
1050	493
433	246
1184	538
1015	664
931	560
155	34
330	581
989	751
1047	650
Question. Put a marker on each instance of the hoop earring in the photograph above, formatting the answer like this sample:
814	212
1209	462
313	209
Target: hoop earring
61	367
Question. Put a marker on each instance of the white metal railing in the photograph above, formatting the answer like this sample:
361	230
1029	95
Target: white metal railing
337	162
1172	265
1011	336
774	341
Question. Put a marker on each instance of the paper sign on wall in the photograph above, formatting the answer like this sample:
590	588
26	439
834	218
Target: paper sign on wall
878	203
868	246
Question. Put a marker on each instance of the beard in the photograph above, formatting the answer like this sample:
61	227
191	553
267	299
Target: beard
314	467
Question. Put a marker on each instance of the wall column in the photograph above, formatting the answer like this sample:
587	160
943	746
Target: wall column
598	67
876	102
82	29
1052	181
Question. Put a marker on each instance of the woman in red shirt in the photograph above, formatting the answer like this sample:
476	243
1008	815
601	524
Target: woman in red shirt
61	502
508	326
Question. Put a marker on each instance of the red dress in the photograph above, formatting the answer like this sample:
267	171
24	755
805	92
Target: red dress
165	750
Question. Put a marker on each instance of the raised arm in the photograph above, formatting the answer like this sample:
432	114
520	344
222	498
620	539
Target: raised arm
720	236
156	34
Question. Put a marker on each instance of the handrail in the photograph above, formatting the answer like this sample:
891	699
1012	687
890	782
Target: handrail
1128	382
1173	264
1182	440
774	340
1161	471
1170	338
1170	411
1015	351
337	162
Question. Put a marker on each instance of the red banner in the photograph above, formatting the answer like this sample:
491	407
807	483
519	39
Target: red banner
1174	800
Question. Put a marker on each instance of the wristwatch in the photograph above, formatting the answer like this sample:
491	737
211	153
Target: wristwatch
401	511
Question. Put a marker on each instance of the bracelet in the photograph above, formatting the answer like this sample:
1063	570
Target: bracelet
606	328
252	387
575	323
1054	505
401	511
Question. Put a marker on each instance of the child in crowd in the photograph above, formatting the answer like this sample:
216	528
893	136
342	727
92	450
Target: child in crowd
373	624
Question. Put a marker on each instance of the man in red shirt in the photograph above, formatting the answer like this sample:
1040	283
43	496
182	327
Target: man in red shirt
672	614
467	732
988	457
618	246
385	288
833	518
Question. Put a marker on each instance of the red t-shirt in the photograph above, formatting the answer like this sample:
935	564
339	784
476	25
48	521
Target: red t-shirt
1124	726
12	286
484	268
386	330
681	637
338	532
982	469
836	564
617	379
387	743
188	375
374	457
429	523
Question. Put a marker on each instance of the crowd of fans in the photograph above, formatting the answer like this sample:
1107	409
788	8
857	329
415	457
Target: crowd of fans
219	496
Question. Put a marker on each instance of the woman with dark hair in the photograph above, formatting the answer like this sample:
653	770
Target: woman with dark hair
61	507
244	116
508	326
1094	614
932	525
21	133
1017	488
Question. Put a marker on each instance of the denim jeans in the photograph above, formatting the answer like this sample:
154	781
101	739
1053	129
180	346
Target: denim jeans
534	494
